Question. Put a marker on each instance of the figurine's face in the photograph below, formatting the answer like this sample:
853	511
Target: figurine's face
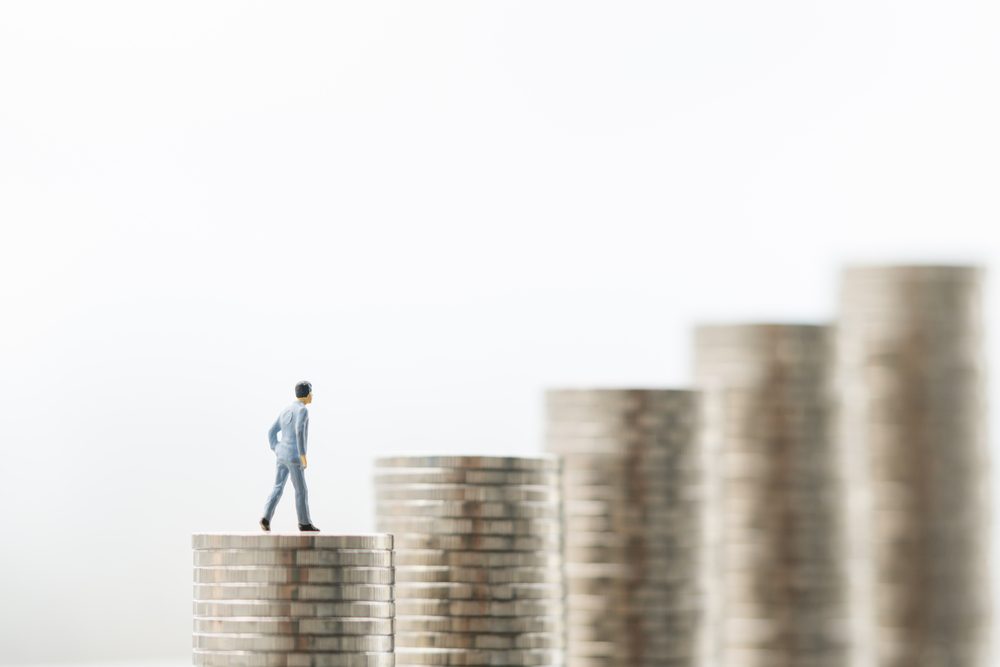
308	399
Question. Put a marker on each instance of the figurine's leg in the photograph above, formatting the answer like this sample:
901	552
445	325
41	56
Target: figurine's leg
301	493
280	475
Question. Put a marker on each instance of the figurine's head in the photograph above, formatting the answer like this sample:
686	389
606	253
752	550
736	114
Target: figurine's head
304	392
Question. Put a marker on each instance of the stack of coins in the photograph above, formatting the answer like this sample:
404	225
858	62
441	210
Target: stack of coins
478	566
269	600
632	513
910	378
778	569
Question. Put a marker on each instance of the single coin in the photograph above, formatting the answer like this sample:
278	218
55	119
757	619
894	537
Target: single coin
458	591
432	656
209	658
476	559
535	463
478	575
310	592
448	526
278	541
528	640
503	608
515	479
303	643
467	509
293	557
459	492
293	609
294	626
506	543
293	575
475	624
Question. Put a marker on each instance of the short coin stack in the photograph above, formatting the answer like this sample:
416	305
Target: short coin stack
911	380
271	600
779	585
632	516
478	565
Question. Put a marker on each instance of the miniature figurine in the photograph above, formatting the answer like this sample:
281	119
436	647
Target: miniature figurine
290	451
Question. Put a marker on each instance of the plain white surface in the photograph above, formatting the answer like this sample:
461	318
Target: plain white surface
430	210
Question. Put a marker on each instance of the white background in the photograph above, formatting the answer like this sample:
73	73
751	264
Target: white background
432	210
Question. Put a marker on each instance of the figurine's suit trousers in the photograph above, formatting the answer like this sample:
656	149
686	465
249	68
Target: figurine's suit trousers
283	470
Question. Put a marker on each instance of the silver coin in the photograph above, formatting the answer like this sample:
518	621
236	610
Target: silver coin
292	557
478	575
294	609
536	463
467	509
481	624
516	479
209	658
433	656
278	541
476	559
478	640
460	591
305	592
303	643
499	608
293	575
477	542
470	526
294	626
461	492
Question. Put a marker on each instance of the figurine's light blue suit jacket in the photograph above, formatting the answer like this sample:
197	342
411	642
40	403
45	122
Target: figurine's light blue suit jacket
293	424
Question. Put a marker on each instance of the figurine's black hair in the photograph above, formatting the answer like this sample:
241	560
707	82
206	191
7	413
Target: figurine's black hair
303	389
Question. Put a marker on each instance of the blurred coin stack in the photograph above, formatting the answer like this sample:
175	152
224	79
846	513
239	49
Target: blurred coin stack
270	600
478	565
777	561
910	380
632	508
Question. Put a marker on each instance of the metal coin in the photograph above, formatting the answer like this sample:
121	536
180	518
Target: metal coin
432	656
294	609
209	658
515	479
501	608
476	559
284	643
479	542
278	541
292	557
540	463
479	575
461	492
476	640
310	592
459	591
481	624
294	626
470	526
467	509
293	575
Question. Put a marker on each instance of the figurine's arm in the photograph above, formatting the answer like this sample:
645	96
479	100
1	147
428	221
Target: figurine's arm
303	437
272	434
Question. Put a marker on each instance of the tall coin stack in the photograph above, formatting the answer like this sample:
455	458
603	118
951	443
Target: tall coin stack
270	600
631	503
478	566
778	572
910	376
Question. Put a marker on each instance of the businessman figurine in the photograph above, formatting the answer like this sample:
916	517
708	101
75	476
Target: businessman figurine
290	451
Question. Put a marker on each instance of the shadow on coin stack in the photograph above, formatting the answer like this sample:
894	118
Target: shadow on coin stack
911	384
478	565
271	600
632	512
777	550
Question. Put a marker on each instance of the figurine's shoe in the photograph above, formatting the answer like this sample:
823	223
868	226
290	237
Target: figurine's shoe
265	525
308	528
